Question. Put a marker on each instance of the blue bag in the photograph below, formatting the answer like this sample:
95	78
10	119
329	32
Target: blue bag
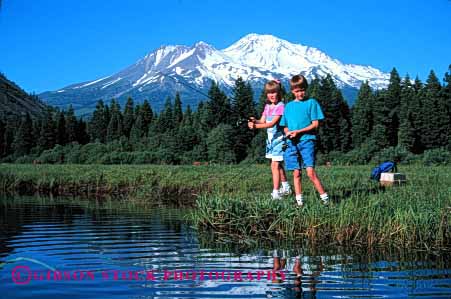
386	166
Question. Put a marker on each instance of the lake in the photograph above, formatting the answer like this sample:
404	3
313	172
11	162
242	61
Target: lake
53	248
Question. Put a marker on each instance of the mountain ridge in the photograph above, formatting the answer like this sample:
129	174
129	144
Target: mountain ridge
255	58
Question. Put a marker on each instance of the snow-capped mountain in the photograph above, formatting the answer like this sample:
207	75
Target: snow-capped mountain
169	69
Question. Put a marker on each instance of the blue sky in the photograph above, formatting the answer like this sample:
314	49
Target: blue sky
48	44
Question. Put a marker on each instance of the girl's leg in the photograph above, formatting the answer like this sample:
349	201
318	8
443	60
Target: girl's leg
275	174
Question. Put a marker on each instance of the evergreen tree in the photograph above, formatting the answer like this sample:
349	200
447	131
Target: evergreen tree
97	127
178	112
81	133
381	115
243	106
23	139
335	131
220	144
436	121
407	134
147	116
137	132
2	139
115	126
129	117
393	101
362	115
165	121
61	129
47	139
447	97
218	106
71	125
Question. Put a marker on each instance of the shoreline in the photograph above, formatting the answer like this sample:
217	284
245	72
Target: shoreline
233	201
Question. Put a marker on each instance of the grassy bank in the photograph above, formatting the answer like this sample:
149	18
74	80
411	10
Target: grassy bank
234	200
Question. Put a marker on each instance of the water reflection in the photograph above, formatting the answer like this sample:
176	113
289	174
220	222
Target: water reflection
84	250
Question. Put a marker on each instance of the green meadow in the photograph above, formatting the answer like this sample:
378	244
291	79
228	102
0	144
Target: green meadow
234	201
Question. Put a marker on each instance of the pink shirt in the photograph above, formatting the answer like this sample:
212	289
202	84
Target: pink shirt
271	110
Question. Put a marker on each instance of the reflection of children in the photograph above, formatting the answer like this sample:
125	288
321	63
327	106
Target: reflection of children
300	121
269	120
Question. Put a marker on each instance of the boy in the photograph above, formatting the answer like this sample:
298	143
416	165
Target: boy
300	121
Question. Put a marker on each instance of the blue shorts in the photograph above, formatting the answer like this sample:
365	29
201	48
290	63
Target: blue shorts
300	154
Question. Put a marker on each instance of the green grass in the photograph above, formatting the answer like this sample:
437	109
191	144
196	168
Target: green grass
234	201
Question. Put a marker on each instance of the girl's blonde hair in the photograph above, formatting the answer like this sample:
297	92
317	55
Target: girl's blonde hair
271	87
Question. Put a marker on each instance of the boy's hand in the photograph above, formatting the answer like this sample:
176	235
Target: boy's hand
292	134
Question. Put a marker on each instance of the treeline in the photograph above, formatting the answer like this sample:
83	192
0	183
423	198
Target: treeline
409	120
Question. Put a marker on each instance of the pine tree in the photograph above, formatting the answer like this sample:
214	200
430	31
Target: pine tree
219	106
71	125
2	139
220	144
436	121
165	121
47	139
147	116
115	126
129	117
407	135
97	127
362	115
243	106
178	112
23	139
335	131
61	129
381	115
81	133
137	131
447	97
393	101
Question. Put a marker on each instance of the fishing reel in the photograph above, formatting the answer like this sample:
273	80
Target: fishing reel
284	146
243	121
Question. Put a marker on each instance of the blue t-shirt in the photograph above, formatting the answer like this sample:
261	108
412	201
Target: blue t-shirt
300	114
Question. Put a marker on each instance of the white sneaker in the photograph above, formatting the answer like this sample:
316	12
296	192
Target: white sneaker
299	201
285	191
325	199
276	196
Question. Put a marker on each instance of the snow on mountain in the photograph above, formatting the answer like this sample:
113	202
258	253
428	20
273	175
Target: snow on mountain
168	69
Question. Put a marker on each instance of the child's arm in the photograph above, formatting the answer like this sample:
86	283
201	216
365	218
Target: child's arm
313	126
264	125
252	123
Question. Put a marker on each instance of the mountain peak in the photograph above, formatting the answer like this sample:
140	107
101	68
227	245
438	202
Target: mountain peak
255	57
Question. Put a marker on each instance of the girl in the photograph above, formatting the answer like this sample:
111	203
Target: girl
269	120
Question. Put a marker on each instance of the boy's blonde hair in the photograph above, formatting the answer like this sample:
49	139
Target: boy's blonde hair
273	86
298	81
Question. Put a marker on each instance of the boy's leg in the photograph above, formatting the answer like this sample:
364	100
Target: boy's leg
311	173
307	150
286	188
297	181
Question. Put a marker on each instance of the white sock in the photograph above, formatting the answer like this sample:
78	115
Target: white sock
275	191
285	185
299	197
324	196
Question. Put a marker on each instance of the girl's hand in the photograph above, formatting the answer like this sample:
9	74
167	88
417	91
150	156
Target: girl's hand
251	122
